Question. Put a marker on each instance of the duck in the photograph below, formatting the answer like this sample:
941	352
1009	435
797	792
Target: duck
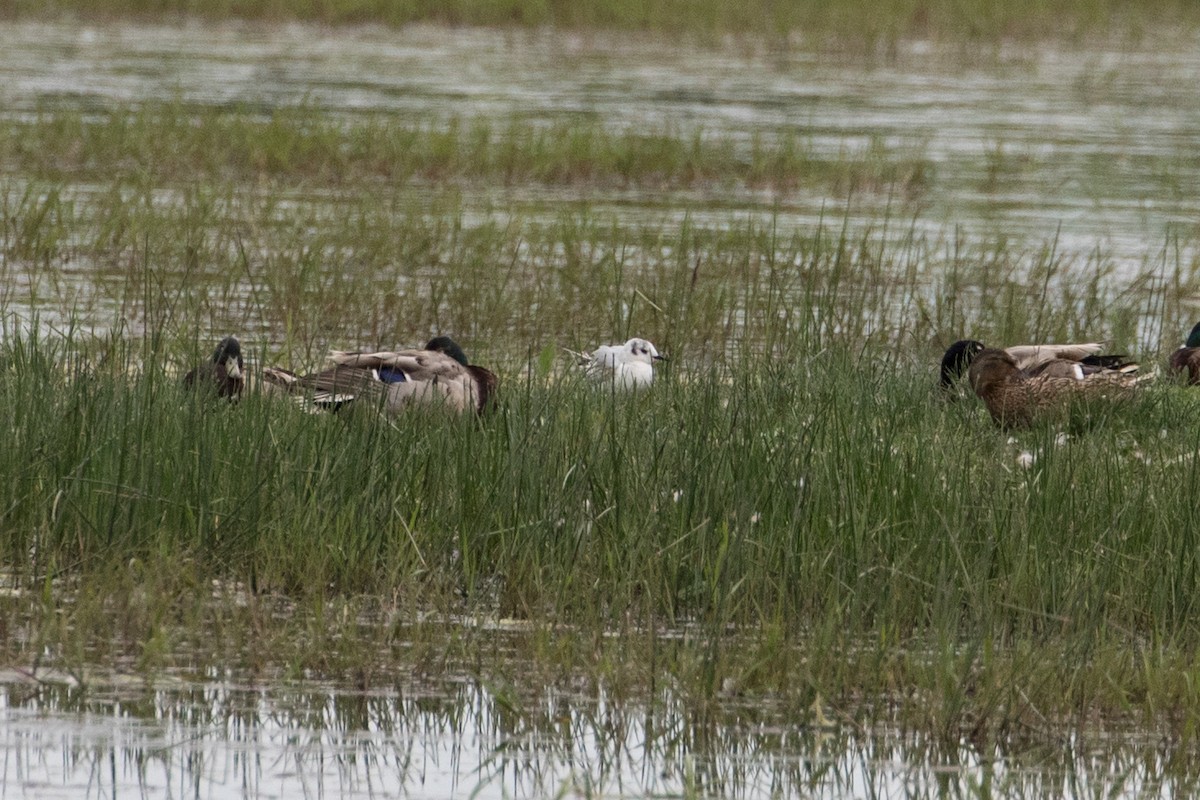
1077	361
223	374
1188	357
625	366
437	375
1015	398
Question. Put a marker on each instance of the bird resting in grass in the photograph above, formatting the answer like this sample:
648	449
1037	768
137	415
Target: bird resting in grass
1078	361
1015	398
223	374
625	366
437	376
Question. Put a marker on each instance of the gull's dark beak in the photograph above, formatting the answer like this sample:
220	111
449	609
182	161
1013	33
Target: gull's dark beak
659	358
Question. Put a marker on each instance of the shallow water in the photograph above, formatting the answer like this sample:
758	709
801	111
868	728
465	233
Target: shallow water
225	739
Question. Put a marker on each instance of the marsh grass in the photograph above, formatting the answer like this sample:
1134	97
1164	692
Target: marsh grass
828	526
300	274
868	25
164	144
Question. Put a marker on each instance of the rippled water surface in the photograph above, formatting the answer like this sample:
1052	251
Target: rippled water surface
1093	146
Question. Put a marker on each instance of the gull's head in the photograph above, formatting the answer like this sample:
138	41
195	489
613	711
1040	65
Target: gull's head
640	351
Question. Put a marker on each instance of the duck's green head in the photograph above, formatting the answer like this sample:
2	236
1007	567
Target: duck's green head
444	344
957	359
1193	339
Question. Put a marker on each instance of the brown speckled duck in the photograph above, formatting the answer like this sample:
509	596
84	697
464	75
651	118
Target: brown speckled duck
1076	361
1187	358
1014	398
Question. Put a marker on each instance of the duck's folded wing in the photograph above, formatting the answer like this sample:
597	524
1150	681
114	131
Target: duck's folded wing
331	387
1057	368
1030	355
278	379
418	365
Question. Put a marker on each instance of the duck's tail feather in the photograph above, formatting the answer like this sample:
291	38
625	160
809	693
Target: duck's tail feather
1114	361
305	391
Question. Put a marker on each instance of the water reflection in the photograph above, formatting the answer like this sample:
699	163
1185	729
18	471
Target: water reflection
461	739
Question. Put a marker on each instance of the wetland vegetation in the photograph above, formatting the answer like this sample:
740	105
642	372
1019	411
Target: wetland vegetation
792	520
841	20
